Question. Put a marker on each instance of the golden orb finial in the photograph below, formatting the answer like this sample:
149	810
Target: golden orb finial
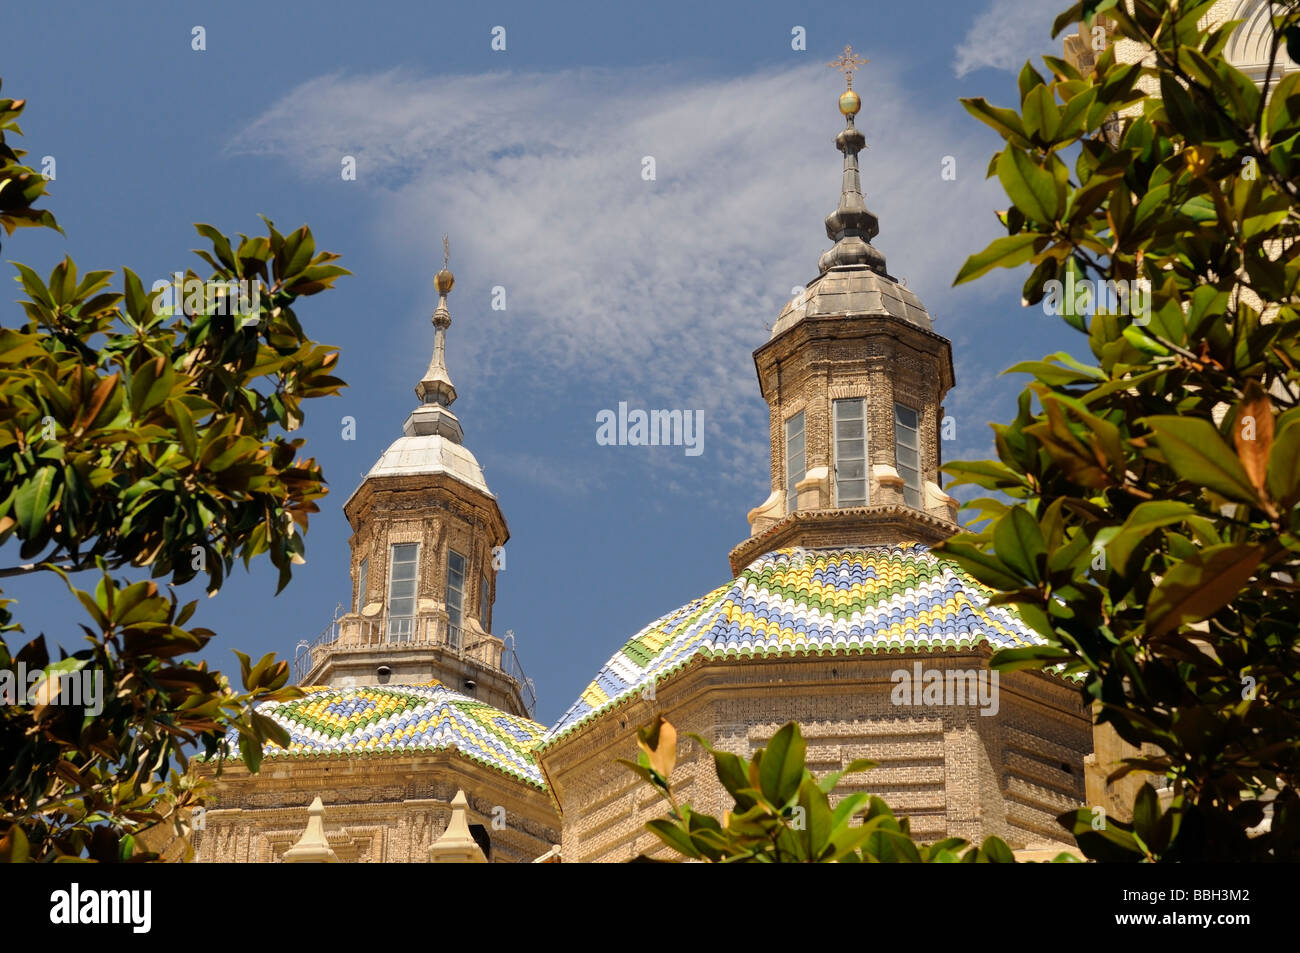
847	63
444	279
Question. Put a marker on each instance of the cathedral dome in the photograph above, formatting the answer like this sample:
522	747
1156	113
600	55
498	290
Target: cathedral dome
421	454
400	719
853	291
796	601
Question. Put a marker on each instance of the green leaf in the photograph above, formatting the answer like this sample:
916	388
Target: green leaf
1284	463
251	751
1007	252
14	846
818	821
1042	117
1054	374
32	502
1031	187
828	782
1068	18
34	286
1074	115
782	767
1006	121
1029	80
996	851
299	247
1182	113
1198	454
1030	656
673	835
1197	588
1146	813
151	384
1144	518
1018	543
987	568
221	245
848	807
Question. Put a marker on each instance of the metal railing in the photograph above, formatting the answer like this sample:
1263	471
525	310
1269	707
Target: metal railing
352	631
515	669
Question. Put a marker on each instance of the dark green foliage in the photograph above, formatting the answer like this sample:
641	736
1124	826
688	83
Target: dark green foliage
1147	519
783	814
133	435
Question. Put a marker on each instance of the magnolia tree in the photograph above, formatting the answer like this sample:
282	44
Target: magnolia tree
1145	520
137	433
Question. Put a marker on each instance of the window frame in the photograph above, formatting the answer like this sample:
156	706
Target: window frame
791	479
836	439
917	488
363	574
404	633
455	626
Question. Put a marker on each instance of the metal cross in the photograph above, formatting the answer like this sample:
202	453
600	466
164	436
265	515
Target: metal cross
848	62
446	251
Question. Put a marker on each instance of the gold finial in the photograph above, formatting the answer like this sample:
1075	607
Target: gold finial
444	279
847	63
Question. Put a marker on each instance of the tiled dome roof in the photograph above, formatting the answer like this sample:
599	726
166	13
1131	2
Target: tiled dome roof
384	719
800	601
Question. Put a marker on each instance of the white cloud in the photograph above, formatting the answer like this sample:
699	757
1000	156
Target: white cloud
1006	34
659	288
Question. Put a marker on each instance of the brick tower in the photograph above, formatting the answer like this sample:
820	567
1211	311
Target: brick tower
854	376
426	541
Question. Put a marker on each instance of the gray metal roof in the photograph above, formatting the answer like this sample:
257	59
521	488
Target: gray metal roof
853	290
430	454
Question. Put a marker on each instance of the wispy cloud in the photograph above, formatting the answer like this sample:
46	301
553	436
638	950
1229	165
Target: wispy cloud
659	288
1007	33
563	477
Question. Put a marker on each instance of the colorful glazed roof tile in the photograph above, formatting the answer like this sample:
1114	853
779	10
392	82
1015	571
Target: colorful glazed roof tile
801	601
379	719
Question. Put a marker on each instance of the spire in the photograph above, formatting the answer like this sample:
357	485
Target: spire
852	225
436	386
435	390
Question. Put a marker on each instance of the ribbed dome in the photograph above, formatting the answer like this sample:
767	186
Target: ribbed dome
392	719
853	291
431	454
801	601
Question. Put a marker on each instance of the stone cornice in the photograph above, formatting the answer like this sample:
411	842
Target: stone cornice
725	678
834	327
878	524
412	493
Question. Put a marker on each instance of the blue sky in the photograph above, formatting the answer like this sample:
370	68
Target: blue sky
617	288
